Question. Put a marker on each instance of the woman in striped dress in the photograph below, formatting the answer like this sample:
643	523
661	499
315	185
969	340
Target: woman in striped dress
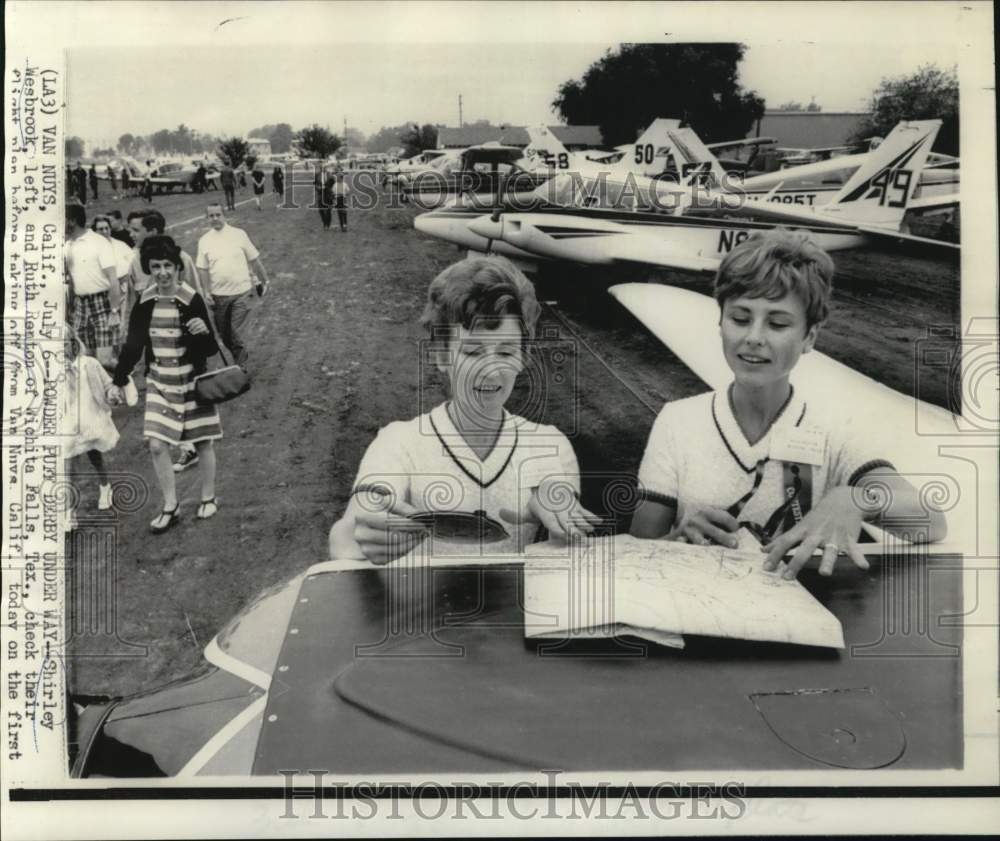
170	322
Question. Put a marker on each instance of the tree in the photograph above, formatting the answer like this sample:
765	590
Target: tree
624	91
74	147
233	151
354	137
317	142
162	141
181	140
126	143
387	138
281	138
417	138
205	143
928	94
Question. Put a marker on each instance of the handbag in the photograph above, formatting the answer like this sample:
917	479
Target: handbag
222	384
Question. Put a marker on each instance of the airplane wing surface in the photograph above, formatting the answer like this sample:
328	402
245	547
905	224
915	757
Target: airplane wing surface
873	230
925	205
747	141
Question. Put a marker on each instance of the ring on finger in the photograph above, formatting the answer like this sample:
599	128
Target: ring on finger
831	547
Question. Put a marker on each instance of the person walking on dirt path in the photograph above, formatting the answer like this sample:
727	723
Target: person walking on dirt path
323	185
118	229
228	179
177	348
278	182
259	180
81	182
226	258
90	260
340	191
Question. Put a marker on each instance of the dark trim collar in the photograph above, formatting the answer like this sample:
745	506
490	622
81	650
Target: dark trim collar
748	445
477	479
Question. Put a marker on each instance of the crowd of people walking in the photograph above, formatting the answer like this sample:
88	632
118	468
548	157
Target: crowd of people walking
133	294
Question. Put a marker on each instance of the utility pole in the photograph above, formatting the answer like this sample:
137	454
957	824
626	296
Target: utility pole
460	123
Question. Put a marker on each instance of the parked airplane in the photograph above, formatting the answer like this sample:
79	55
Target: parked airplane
173	174
487	170
544	160
644	157
606	223
410	166
813	183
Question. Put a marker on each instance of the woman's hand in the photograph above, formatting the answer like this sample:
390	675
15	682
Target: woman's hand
832	526
707	526
115	395
385	533
196	327
555	506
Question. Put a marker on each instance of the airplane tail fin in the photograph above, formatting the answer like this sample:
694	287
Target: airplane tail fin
880	191
649	155
694	160
547	149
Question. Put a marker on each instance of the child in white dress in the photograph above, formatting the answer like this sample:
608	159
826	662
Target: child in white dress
87	424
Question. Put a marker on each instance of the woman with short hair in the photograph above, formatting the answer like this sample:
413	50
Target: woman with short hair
171	324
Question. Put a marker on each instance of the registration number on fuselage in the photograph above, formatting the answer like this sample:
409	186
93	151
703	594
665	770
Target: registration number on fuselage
729	239
796	198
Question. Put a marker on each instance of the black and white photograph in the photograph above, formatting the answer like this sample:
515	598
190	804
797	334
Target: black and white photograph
500	418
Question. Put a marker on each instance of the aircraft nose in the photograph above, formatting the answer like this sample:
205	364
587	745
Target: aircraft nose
486	227
425	223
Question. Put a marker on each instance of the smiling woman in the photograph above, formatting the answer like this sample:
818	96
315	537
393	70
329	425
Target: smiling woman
468	454
170	324
755	460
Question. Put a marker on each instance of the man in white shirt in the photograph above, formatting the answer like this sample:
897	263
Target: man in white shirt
96	295
226	257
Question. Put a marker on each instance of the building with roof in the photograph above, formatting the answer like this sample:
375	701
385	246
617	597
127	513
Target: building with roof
258	146
809	129
572	137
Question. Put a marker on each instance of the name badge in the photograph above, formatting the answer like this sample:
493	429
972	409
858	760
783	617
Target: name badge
804	445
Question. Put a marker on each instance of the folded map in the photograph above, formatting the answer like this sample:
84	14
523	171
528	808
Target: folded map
608	586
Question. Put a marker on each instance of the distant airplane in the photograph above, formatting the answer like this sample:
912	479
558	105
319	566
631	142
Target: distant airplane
410	166
811	182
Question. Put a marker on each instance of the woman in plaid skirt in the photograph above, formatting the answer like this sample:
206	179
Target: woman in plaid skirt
171	323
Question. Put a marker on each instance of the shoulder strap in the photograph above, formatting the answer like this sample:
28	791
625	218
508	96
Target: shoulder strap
210	323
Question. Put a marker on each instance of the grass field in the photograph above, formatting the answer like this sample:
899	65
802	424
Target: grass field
335	355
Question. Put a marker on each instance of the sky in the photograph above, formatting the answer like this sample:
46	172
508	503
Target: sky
237	66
